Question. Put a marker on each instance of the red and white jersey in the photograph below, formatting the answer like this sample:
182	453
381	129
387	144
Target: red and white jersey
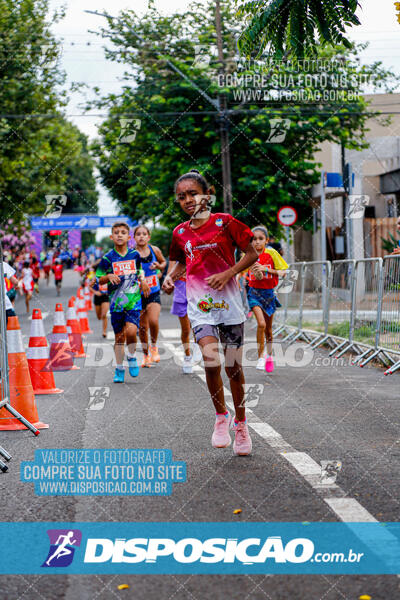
271	258
208	250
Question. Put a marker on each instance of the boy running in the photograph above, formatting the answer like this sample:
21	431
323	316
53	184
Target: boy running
121	269
205	245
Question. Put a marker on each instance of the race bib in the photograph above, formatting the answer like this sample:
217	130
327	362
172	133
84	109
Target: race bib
252	277
124	267
152	280
103	287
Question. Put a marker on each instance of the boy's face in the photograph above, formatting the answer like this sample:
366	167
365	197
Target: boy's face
120	236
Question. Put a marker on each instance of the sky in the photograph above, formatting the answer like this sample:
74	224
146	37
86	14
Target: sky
82	55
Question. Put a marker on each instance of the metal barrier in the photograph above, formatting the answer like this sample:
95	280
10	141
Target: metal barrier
341	299
287	283
4	369
315	301
293	303
368	296
4	381
352	305
389	342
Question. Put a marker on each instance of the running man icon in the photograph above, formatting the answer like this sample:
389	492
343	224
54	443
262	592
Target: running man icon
62	542
62	549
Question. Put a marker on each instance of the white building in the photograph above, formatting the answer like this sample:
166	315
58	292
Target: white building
376	175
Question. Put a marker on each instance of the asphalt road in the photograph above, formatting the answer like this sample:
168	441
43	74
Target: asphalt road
306	412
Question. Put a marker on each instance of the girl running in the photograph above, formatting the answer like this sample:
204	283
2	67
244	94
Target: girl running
153	264
101	303
262	278
27	283
205	246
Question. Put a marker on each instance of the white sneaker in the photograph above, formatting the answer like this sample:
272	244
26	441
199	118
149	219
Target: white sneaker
261	364
196	352
188	365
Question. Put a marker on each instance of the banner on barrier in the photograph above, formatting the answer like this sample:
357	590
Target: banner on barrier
77	222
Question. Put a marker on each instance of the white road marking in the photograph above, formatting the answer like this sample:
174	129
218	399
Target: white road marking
303	463
171	333
44	316
347	509
265	430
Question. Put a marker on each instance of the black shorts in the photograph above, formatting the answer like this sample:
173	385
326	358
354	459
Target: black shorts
10	313
98	300
229	335
154	297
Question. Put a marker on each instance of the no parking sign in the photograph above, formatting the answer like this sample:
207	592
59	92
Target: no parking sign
287	216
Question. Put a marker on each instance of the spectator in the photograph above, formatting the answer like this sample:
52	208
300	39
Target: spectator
272	243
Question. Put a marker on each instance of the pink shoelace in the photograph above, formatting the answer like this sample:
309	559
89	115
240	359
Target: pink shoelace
241	435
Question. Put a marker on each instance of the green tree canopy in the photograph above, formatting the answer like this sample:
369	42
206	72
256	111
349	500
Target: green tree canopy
295	27
40	151
174	128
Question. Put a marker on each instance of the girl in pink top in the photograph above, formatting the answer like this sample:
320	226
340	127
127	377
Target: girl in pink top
205	246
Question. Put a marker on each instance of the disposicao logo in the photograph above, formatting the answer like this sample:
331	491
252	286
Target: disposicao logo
63	543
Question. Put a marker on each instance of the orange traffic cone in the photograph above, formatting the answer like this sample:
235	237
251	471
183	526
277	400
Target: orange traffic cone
21	392
61	356
74	330
82	314
88	297
38	356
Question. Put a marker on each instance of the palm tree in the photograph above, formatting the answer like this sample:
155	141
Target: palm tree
295	27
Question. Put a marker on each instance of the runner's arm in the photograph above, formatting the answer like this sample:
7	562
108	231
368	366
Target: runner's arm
161	262
145	288
104	274
266	269
92	284
175	270
218	281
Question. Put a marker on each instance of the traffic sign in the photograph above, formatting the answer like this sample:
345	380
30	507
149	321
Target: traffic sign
287	216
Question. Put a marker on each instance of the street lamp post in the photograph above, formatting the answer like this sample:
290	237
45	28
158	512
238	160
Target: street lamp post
223	119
